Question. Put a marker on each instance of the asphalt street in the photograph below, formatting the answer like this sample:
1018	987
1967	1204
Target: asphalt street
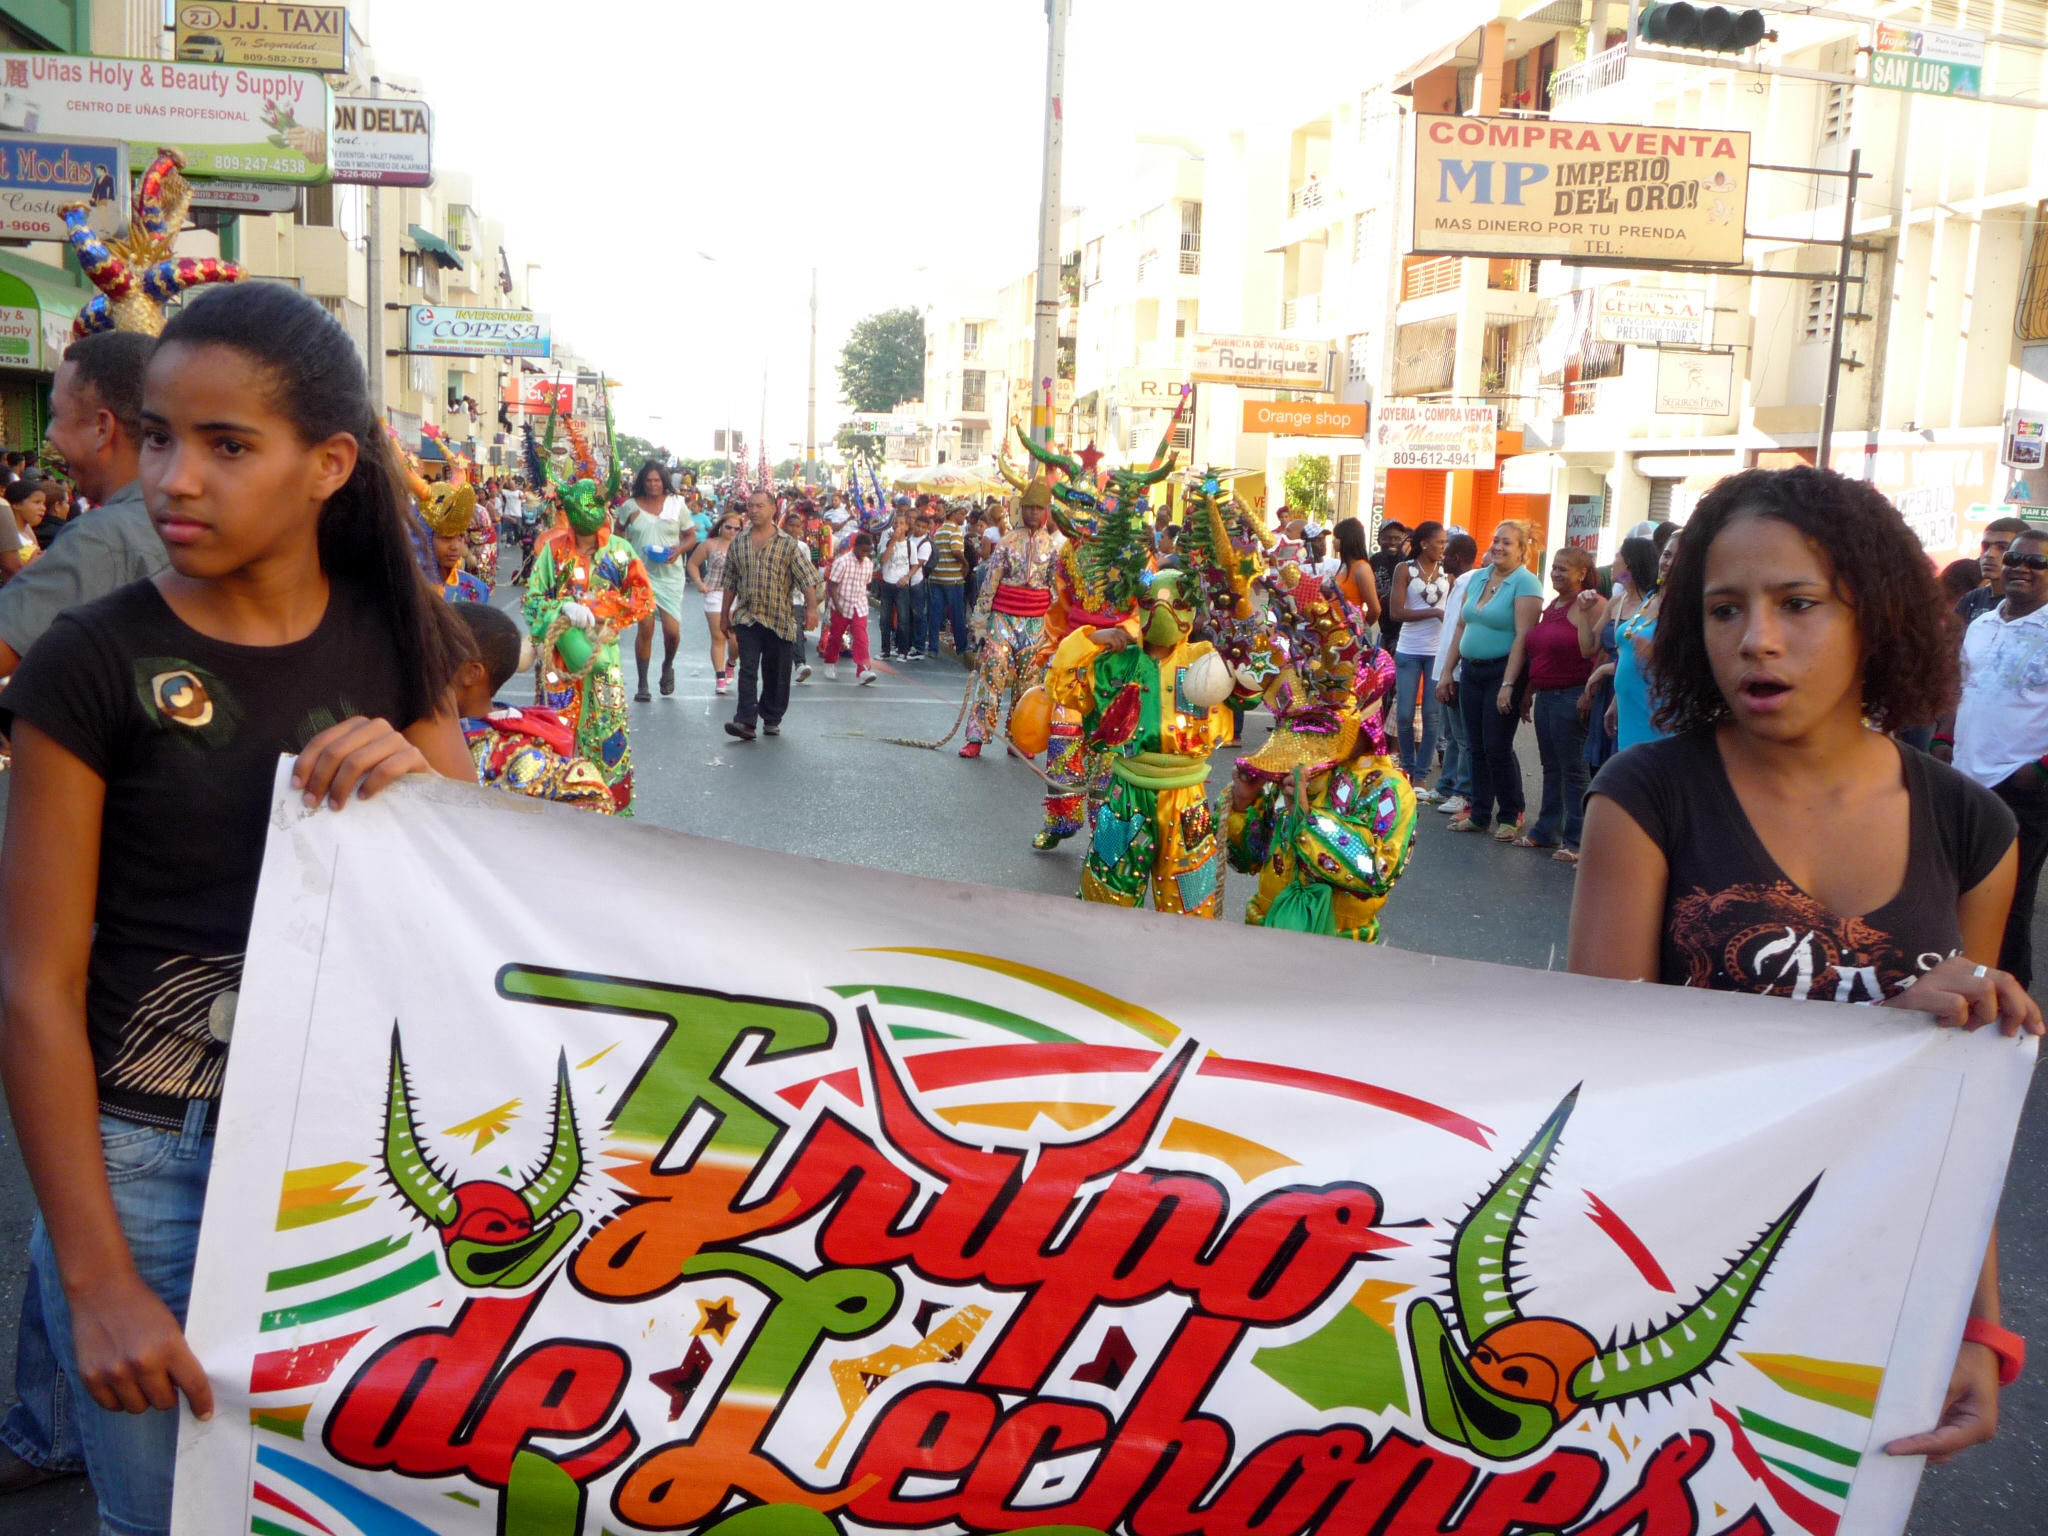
833	786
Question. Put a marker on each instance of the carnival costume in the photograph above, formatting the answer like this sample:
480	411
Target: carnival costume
1009	621
1094	586
579	666
449	511
533	752
1156	719
1333	818
138	275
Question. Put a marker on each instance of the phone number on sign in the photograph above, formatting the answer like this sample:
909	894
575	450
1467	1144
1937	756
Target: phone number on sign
277	164
1434	458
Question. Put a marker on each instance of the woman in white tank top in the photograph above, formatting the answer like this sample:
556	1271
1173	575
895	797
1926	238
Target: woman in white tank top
1421	586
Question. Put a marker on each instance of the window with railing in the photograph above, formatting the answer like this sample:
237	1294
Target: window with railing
1425	355
1190	239
1596	74
1348	466
973	443
1423	276
1305	198
970	338
1304	309
973	390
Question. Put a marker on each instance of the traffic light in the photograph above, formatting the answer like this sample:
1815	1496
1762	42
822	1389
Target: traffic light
1709	28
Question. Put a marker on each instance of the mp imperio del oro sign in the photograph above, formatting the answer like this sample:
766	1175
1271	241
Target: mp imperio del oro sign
1508	187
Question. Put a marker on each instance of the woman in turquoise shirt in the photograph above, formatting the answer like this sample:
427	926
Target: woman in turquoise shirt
1629	714
1491	640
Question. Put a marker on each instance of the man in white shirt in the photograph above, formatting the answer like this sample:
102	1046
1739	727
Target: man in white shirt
2002	724
900	566
1454	784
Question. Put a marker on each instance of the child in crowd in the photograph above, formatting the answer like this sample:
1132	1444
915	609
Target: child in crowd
27	500
846	584
528	751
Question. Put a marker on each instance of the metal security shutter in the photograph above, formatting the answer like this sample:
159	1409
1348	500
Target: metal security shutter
1660	500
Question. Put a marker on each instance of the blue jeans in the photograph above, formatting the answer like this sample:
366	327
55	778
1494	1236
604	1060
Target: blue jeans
1561	742
159	1184
892	618
1412	676
1456	779
946	604
42	1426
1490	741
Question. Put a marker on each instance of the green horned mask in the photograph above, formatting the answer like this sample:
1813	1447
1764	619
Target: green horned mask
583	505
1168	619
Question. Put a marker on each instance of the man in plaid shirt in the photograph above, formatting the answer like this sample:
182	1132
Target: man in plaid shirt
765	569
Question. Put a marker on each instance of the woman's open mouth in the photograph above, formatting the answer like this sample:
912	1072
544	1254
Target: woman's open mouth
1763	693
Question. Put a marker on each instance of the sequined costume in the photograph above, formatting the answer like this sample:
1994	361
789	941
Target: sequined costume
612	583
1076	776
1155	719
482	539
533	752
1008	624
1322	811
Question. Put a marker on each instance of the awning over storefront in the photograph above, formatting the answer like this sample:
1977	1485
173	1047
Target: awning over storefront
433	245
1404	80
35	319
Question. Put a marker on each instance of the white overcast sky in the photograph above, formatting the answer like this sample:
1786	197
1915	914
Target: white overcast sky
894	146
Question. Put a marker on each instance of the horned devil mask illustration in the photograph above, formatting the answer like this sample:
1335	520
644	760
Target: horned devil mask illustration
494	1236
1522	1379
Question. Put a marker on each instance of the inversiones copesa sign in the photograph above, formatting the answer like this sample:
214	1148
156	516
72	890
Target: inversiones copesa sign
446	332
1508	187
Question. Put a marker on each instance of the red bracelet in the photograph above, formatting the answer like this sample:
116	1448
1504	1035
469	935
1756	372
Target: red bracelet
2010	1348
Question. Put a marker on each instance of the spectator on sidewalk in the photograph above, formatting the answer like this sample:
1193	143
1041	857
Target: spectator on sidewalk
1563	649
1991	547
946	586
1417	602
1454	784
96	423
1490	637
2001	734
900	561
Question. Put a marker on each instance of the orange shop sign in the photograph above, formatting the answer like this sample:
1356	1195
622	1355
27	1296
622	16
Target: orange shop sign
1305	418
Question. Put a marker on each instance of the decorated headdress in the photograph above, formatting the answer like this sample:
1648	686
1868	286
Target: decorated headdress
138	275
585	504
1117	548
449	509
1322	678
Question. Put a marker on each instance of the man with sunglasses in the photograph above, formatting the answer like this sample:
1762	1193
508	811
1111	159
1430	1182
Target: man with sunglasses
2001	729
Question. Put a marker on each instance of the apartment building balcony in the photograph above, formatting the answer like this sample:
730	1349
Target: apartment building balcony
1577	82
1424	277
1308	197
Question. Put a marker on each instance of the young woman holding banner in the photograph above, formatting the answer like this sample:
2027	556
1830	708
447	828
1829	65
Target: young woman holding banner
1778	841
146	730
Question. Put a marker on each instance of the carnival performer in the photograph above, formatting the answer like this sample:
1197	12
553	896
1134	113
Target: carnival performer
655	521
1322	812
449	510
482	542
1009	620
524	751
1154	706
587	588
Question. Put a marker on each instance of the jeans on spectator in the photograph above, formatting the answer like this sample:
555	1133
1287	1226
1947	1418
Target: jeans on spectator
42	1426
2026	792
1561	742
1412	677
764	675
840	629
946	605
1456	779
892	615
159	1186
1490	739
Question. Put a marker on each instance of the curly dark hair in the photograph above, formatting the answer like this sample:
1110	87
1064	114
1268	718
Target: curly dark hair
1879	569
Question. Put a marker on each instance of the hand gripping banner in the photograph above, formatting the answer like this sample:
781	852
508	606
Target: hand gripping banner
578	1178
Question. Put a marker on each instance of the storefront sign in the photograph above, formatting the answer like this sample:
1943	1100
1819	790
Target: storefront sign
1263	362
1523	187
282	36
1000	1212
2026	435
1651	317
256	124
1527	474
40	178
1584	517
245	196
20	337
1305	418
1415	434
1946	489
1934	61
536	397
383	143
1151	388
1695	383
431	328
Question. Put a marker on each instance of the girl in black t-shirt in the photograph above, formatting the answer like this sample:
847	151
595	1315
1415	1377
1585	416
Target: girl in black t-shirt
147	728
1779	842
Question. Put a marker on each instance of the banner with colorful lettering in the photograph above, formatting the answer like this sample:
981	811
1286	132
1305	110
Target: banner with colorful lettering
576	1177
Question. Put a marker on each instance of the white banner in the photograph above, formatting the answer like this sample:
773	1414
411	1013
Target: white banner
735	1179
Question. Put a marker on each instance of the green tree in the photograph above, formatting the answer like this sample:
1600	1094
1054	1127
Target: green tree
867	445
1308	484
882	363
634	451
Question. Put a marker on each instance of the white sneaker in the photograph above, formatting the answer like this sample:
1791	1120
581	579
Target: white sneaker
803	672
1457	805
865	678
832	673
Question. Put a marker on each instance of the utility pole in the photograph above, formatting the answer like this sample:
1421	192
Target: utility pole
373	233
1045	341
811	411
1827	414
